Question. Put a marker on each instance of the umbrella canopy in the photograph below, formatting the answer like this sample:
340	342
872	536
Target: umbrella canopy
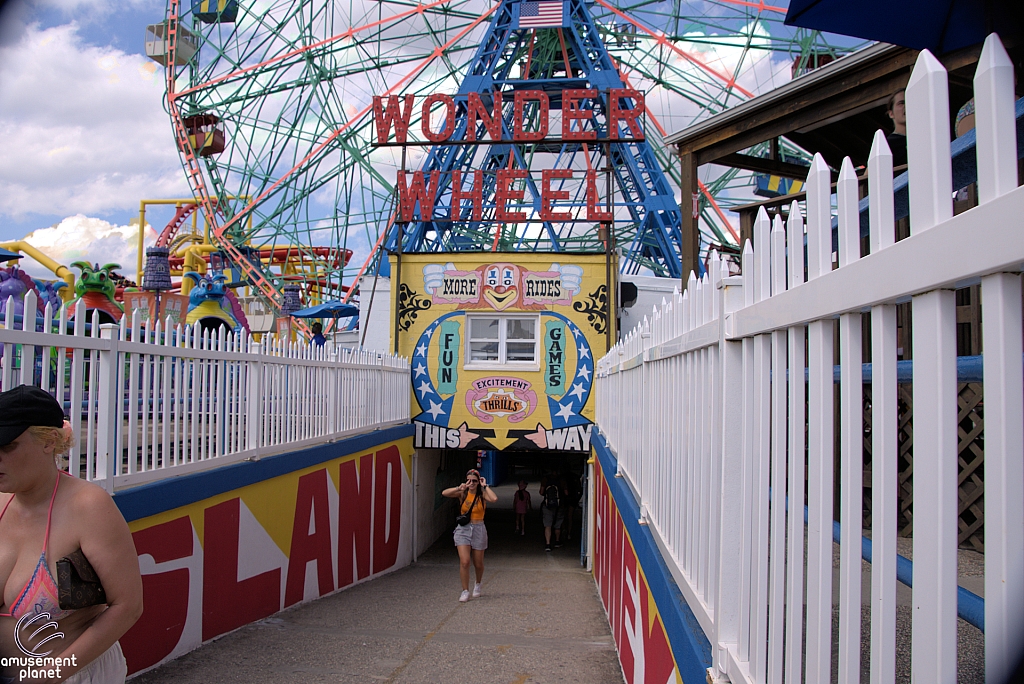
7	256
327	310
940	26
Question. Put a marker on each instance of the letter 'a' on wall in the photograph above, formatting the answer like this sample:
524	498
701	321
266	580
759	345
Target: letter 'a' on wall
216	564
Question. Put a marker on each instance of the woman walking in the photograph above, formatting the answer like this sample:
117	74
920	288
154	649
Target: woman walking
471	534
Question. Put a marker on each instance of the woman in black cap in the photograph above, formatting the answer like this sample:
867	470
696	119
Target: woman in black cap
46	515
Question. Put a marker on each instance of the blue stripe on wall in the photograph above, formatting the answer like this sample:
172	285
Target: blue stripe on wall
149	499
689	644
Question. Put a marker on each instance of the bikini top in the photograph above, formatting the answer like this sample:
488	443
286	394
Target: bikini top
40	594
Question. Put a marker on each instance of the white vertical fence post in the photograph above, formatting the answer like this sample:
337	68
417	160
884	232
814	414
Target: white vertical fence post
7	364
746	596
1004	386
254	401
761	455
935	408
777	555
108	421
730	495
819	434
28	351
797	470
851	440
77	391
884	415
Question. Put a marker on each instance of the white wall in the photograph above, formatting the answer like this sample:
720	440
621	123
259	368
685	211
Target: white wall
431	523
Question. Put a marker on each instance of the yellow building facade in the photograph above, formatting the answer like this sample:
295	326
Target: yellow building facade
503	349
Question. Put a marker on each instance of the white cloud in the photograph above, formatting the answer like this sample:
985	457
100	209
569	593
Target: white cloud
80	238
83	127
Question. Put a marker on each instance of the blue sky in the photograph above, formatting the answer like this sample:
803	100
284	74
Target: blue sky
81	116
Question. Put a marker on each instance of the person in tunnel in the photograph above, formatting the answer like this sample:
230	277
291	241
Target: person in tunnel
471	534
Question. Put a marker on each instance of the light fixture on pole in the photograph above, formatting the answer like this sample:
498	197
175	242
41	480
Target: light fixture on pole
157	276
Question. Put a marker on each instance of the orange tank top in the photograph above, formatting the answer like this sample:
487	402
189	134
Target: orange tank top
477	516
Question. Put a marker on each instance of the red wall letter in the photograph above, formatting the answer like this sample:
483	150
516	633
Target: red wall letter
519	134
385	542
355	508
311	499
164	595
449	117
385	117
228	603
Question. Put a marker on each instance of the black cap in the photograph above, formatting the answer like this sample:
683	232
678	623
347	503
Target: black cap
26	406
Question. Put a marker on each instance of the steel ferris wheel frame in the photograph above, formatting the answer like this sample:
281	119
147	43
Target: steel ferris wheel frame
292	91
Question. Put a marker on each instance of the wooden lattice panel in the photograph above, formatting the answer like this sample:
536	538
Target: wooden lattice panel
971	459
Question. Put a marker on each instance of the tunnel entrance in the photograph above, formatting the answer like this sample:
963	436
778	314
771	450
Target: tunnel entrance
508	534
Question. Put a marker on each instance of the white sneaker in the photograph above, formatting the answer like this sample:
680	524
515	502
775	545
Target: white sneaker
464	596
476	590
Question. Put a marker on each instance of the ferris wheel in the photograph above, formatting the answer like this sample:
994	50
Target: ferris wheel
271	103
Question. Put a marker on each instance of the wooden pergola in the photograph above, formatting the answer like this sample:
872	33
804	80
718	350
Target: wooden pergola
834	110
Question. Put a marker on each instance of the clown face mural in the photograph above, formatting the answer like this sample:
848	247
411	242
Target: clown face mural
503	353
501	286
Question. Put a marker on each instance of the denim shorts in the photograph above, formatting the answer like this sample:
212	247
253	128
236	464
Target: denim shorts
474	535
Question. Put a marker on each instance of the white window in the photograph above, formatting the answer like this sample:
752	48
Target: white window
503	340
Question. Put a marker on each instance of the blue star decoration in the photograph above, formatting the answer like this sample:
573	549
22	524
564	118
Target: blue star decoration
565	410
434	409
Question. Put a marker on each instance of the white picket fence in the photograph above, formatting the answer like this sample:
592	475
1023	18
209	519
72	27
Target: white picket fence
149	405
704	407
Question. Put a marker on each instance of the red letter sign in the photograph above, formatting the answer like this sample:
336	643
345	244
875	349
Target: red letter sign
476	110
571	111
504	193
548	196
630	116
448	127
594	211
476	195
409	196
385	117
519	134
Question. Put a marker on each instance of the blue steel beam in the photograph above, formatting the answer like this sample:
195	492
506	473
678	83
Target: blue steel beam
648	218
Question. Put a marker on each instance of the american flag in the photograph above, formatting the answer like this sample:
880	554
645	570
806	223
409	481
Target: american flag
540	14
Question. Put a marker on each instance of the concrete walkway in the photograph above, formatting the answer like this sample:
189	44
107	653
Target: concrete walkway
539	620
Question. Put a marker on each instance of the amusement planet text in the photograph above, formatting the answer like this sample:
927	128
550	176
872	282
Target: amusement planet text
38	667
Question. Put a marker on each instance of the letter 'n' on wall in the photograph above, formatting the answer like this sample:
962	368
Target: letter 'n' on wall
355	511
